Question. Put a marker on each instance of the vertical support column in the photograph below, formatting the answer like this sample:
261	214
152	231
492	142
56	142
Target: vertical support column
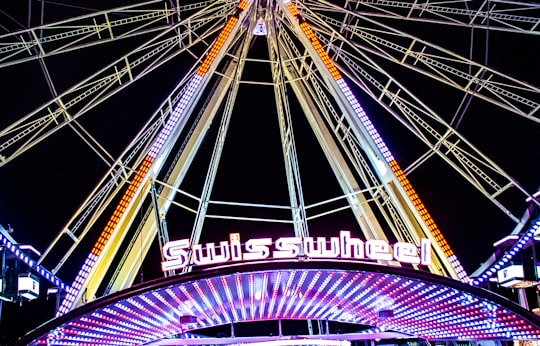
292	170
218	146
378	152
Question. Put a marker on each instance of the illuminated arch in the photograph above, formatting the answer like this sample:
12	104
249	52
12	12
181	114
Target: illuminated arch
397	300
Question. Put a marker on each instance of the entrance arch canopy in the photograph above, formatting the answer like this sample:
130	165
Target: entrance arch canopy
388	298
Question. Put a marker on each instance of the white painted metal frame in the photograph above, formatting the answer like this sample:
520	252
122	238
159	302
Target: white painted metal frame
354	47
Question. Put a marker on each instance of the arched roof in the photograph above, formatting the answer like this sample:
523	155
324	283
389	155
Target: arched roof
389	298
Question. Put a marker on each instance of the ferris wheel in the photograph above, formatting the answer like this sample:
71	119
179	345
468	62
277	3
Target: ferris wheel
131	114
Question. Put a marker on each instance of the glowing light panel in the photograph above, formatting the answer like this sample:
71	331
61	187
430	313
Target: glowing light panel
419	304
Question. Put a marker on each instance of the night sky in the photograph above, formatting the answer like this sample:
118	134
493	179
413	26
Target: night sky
41	189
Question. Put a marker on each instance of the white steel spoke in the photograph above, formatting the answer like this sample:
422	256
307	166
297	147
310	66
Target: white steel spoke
430	128
85	31
219	144
65	36
287	136
71	104
436	62
488	15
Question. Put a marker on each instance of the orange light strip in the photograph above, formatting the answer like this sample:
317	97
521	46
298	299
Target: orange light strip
421	209
320	50
122	205
216	47
105	235
243	4
292	8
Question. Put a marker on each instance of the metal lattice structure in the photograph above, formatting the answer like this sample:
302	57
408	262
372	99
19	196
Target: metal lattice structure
323	59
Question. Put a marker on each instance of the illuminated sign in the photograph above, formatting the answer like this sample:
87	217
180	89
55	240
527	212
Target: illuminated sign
177	253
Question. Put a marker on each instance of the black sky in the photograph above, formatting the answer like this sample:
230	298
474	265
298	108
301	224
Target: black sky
41	189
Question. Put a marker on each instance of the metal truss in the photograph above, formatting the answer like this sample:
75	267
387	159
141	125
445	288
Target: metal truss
423	57
69	105
358	39
97	28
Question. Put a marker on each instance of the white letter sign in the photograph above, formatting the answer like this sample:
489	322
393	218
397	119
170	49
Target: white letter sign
177	253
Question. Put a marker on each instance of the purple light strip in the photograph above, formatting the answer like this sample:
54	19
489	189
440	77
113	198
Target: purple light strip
112	332
286	292
368	125
125	320
115	323
312	284
321	289
273	298
362	285
508	255
292	297
428	310
345	297
330	293
14	249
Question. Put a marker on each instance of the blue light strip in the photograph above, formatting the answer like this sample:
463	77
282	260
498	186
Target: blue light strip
14	249
509	254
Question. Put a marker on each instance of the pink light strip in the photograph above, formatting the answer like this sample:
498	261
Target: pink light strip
217	298
196	304
240	292
207	303
263	295
252	295
286	292
228	293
